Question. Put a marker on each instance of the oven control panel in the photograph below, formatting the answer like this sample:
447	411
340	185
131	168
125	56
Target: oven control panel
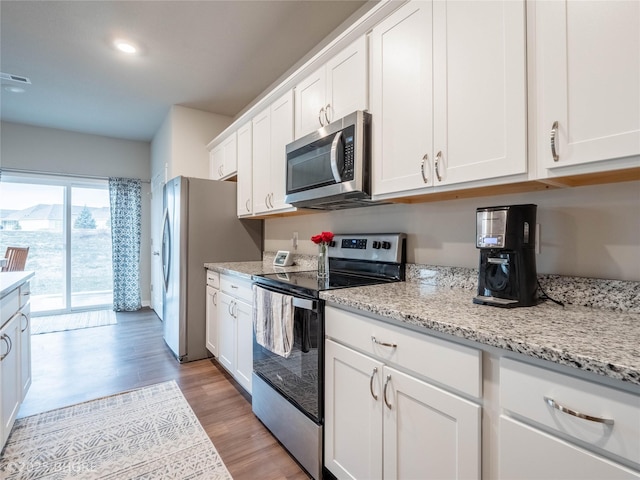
380	247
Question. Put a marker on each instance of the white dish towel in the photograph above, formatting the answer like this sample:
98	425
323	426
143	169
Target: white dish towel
273	321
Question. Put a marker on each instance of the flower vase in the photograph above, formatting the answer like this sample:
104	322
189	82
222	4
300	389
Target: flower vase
323	261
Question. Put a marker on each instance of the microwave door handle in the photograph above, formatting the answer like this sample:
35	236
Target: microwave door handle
334	158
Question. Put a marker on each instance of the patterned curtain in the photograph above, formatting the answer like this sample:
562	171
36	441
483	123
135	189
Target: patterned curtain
126	202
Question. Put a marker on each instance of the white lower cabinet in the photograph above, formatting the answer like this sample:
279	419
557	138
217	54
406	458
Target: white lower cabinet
11	379
558	426
15	355
235	329
211	310
381	422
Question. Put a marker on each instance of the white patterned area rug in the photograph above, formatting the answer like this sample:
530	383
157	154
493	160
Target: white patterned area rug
72	321
149	433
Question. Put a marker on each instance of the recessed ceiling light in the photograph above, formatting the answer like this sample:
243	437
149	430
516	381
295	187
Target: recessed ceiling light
14	89
125	47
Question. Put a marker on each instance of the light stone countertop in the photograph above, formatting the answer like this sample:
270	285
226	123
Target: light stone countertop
604	341
248	269
595	340
11	280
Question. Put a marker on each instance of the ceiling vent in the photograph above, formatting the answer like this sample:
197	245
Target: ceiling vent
15	78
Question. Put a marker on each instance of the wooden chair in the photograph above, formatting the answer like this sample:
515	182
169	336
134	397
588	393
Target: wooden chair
16	259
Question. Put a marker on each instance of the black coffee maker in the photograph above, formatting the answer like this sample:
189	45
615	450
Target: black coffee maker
506	239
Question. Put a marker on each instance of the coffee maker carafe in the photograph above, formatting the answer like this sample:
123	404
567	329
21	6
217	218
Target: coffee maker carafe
506	239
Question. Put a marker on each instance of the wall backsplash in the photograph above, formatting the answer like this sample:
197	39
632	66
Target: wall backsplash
591	231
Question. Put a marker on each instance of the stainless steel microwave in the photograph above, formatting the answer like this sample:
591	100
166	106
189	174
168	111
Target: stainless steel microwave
330	168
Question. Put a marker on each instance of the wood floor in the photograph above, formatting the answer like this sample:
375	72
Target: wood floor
80	365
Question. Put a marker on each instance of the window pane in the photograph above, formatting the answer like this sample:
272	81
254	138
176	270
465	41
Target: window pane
91	274
31	215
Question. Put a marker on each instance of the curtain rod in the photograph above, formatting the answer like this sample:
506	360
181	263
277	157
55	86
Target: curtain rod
53	174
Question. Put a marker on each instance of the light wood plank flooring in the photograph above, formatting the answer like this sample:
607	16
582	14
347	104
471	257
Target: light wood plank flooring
80	365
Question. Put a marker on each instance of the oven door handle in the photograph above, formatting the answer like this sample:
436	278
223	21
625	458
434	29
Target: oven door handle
304	303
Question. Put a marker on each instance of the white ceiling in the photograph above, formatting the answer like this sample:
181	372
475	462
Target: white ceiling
216	56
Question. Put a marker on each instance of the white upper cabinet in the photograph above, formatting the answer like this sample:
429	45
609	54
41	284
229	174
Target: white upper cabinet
448	94
335	90
272	131
245	173
401	99
223	159
587	68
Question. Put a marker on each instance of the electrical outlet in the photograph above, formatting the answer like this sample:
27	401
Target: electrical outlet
294	241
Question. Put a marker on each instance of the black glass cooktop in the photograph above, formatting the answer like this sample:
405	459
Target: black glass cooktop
308	282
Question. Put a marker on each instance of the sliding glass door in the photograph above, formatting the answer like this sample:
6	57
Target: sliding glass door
66	225
90	252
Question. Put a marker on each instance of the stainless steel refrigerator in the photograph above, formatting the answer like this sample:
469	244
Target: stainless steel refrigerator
200	226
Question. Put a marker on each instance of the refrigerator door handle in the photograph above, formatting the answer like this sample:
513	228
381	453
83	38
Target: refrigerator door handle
166	249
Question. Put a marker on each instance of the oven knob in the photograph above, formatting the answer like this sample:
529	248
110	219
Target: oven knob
376	244
386	245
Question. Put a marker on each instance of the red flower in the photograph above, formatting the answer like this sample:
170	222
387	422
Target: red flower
324	237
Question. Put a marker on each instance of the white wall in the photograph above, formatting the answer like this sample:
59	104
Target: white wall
589	231
181	142
62	152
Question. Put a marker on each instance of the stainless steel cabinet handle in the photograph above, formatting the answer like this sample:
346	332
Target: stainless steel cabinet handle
552	403
320	116
230	308
266	200
235	287
326	113
373	374
437	166
27	325
425	160
7	340
214	299
386	384
156	253
383	344
246	205
554	133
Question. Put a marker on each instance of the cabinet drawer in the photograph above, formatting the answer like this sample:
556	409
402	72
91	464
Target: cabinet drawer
9	305
237	287
448	363
213	279
528	453
524	388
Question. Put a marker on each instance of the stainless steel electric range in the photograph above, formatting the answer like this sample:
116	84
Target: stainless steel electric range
288	393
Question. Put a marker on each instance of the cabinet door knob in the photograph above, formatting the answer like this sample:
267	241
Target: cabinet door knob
425	160
437	165
373	374
386	384
569	411
554	134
